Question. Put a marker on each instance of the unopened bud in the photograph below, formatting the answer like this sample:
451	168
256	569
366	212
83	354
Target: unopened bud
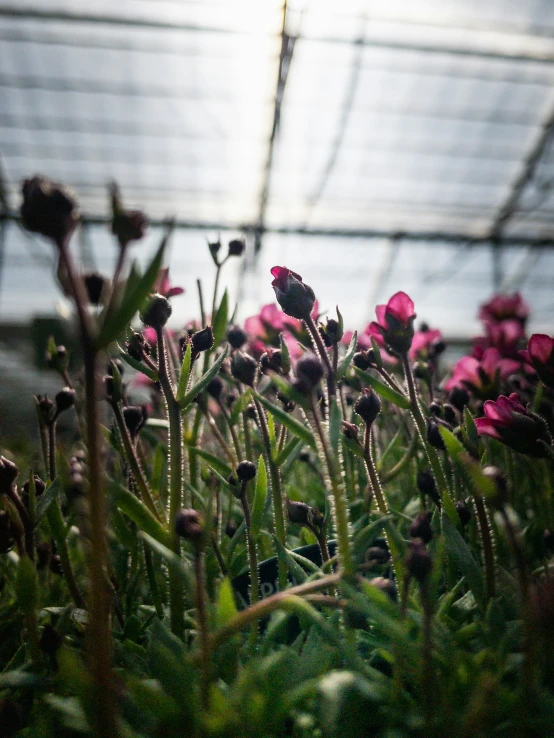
134	417
246	471
421	527
65	399
236	337
215	388
94	284
427	486
464	513
368	406
309	371
157	312
459	397
48	209
137	346
244	368
418	561
236	247
202	340
189	524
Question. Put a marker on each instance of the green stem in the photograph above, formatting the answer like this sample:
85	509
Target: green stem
203	630
324	356
276	492
340	502
402	463
57	529
153	584
488	549
175	481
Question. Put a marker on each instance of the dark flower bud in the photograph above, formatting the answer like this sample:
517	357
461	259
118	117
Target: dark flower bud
309	371
377	555
449	414
7	539
421	527
244	368
548	539
427	486
271	361
459	397
435	408
157	312
127	225
56	565
333	330
433	435
236	337
438	348
50	640
350	430
189	524
360	359
40	486
214	248
202	340
8	475
418	561
246	471
231	528
325	338
44	552
424	327
94	284
295	298
422	370
368	406
137	346
236	247
59	360
46	409
464	513
386	586
298	512
48	209
134	418
251	413
65	399
500	498
215	388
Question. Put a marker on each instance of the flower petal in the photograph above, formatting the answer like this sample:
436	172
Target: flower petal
541	348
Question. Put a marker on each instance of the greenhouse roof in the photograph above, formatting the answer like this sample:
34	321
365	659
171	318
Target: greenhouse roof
370	146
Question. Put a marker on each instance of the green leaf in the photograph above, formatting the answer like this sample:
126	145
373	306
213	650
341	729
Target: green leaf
226	608
132	301
47	497
296	571
286	452
26	585
240	405
384	390
179	565
185	372
220	319
288	421
135	509
51	347
352	446
471	428
219	466
138	365
376	352
462	557
285	353
203	382
272	437
468	466
347	358
260	495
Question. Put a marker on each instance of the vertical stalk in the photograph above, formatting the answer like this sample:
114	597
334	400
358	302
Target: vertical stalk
175	478
251	544
488	549
324	356
202	620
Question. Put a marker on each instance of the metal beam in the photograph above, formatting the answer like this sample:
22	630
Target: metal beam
431	236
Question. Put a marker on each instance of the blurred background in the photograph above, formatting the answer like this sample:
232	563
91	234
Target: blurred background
369	146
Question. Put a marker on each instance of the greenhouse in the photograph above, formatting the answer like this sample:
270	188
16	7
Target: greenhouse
277	368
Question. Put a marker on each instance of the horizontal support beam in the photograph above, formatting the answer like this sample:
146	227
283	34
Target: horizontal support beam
432	237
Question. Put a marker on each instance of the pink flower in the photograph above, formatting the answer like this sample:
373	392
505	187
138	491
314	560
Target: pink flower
482	377
508	421
395	323
265	328
295	298
163	286
505	307
540	354
423	342
505	336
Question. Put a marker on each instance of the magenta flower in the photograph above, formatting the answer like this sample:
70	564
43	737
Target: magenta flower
395	323
540	354
295	298
505	336
423	343
482	377
163	286
505	307
508	421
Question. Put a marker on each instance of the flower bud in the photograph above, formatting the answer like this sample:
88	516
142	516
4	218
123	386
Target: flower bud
202	340
435	408
236	247
350	430
271	361
137	346
157	312
48	209
418	561
189	524
459	397
309	370
427	486
295	298
214	248
246	471
333	330
94	284
65	399
215	388
58	360
134	418
449	414
244	368
464	513
368	406
8	475
127	225
236	337
421	527
377	555
360	359
298	512
433	435
46	409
